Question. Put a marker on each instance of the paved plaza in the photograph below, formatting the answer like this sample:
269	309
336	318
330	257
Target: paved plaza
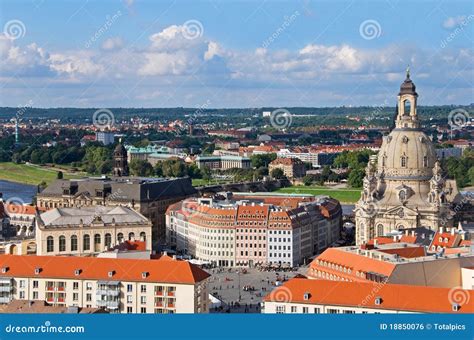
242	290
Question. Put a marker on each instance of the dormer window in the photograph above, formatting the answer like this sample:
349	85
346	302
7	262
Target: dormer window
378	301
37	270
456	307
111	273
77	272
4	270
144	275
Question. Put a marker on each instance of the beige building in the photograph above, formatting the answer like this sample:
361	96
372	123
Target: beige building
89	230
404	186
291	167
162	286
304	296
148	196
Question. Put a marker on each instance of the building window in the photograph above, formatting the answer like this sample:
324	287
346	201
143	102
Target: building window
89	286
425	161
35	284
380	230
62	243
142	236
120	237
131	236
22	295
129	310
96	242
316	310
143	300
143	288
143	310
88	297
22	283
49	244
108	240
73	243
86	244
305	310
35	295
75	285
129	288
129	298
294	309
75	296
403	161
280	309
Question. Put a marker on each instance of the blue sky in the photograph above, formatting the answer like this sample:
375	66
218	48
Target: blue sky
233	53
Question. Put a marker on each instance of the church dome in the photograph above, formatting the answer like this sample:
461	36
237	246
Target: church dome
406	153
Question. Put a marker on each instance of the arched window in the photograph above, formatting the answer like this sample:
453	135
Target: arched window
86	242
403	161
49	244
142	236
97	242
62	243
131	237
425	161
406	108
120	237
380	230
108	240
73	243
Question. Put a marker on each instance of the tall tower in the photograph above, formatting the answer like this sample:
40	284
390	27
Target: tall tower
120	161
404	186
17	132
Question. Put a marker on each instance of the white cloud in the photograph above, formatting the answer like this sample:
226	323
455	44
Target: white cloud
112	44
452	22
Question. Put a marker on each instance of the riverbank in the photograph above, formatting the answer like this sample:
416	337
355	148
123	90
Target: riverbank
28	173
346	196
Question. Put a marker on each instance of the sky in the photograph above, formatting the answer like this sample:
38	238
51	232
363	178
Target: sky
220	54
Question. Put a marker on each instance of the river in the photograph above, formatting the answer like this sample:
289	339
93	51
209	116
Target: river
17	192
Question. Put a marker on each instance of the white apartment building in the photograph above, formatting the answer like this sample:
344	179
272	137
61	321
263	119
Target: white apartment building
117	285
306	296
252	230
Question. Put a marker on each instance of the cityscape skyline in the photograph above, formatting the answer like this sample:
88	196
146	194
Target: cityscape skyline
308	54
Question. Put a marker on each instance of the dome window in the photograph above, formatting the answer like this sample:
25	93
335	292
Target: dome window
425	161
403	161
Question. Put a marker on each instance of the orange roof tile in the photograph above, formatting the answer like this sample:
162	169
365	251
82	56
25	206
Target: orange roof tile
95	268
363	294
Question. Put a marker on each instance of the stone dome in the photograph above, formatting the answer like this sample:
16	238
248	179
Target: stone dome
406	153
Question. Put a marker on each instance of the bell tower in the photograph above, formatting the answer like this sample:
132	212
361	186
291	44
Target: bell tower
120	161
407	117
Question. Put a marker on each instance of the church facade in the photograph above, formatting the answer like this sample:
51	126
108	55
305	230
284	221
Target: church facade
404	186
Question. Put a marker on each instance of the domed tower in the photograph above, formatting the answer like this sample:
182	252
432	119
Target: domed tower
404	186
120	161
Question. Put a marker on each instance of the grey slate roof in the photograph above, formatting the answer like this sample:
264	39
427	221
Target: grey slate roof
125	189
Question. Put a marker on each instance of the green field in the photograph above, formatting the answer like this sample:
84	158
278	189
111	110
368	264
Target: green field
27	174
342	195
199	182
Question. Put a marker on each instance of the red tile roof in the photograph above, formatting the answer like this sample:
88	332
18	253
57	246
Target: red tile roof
357	294
94	268
408	252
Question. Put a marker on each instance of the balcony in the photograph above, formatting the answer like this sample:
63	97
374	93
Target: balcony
159	304
61	300
110	304
159	293
50	288
170	305
50	299
171	293
4	299
5	288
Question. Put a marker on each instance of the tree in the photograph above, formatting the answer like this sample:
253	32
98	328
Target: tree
307	180
262	160
277	173
356	177
140	167
59	175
